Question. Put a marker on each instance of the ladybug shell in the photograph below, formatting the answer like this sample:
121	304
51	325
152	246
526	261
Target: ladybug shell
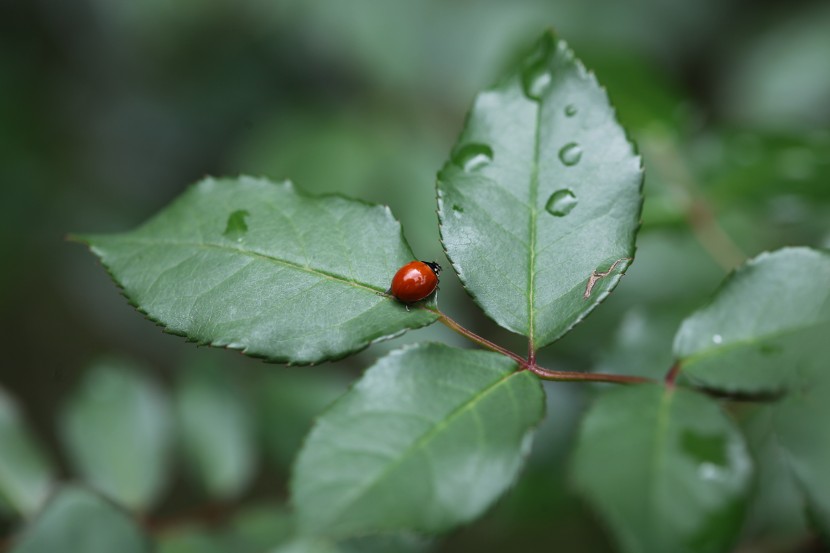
413	282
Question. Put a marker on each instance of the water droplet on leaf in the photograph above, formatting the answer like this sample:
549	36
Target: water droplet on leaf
536	76
571	110
717	339
536	79
570	153
457	208
471	157
708	471
561	202
236	226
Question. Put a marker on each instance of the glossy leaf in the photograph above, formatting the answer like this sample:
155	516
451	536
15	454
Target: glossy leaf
541	196
116	428
665	468
427	439
217	431
769	319
26	474
259	267
78	520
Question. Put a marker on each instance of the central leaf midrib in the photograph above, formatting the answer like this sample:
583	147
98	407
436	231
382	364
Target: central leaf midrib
658	458
533	201
418	444
223	247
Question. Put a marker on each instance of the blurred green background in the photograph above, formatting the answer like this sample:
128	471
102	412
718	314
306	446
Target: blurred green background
110	108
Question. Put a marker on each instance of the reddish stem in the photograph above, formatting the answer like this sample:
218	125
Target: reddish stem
575	376
530	363
478	339
671	376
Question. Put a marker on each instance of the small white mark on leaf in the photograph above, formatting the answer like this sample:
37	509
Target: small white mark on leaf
596	276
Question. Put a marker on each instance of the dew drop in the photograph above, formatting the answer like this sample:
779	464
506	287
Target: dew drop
561	202
571	110
472	157
717	339
236	226
709	471
536	79
457	209
570	153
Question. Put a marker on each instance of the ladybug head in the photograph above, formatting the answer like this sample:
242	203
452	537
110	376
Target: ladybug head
436	268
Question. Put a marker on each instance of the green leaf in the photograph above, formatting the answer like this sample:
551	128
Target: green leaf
258	267
216	430
307	545
665	468
799	424
189	539
78	520
776	513
116	428
541	195
370	544
288	401
26	474
768	322
258	528
252	530
427	439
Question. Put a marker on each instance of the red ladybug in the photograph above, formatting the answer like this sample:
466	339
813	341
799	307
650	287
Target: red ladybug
415	281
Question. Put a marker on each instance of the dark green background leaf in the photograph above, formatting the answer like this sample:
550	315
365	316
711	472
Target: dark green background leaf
26	473
117	430
665	468
289	400
776	515
768	321
216	429
256	266
79	521
542	191
427	439
800	428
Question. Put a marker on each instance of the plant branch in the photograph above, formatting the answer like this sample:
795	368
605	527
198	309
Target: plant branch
469	334
671	376
576	376
530	364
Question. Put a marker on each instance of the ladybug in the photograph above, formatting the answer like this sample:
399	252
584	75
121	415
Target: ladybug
415	281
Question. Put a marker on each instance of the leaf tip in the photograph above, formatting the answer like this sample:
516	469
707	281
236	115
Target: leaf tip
77	238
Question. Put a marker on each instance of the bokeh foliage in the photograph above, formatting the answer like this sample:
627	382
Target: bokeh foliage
109	109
